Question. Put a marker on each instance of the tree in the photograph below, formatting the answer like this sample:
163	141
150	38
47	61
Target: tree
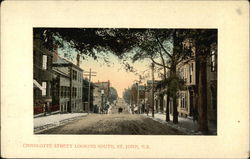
203	40
113	95
173	84
144	43
127	95
93	42
166	46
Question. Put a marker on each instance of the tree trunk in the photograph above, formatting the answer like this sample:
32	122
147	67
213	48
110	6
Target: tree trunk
167	109
156	105
202	98
175	112
161	103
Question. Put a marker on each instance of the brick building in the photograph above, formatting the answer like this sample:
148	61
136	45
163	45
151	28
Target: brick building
101	94
42	77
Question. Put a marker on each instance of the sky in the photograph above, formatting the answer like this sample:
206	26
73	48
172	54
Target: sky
119	78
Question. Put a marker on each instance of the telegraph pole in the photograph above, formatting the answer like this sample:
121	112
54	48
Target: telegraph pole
89	74
145	89
137	84
153	81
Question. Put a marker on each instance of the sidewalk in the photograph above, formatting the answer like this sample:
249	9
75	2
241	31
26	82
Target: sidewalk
45	122
185	125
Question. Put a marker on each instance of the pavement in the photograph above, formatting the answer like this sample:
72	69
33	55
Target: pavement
185	125
54	120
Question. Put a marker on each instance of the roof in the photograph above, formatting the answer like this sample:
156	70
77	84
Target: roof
63	62
60	72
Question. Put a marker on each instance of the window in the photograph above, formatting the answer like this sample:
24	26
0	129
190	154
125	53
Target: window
67	91
44	86
190	73
183	100
185	74
44	62
62	91
74	75
213	61
74	92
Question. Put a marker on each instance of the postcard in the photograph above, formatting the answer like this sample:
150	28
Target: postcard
117	79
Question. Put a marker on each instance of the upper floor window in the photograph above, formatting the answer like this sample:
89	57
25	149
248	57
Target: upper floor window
74	74
45	58
44	86
191	69
213	61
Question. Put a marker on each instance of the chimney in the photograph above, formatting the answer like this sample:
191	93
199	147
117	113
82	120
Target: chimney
55	53
78	60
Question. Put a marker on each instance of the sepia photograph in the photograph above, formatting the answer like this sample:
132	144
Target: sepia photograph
125	81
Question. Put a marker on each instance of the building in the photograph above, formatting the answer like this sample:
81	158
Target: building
101	95
97	97
85	95
212	85
61	89
42	77
188	71
68	88
148	95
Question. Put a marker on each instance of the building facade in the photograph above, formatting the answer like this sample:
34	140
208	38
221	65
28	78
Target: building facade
61	89
69	90
101	94
212	84
189	73
42	77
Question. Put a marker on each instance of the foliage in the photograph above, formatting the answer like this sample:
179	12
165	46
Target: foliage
127	95
113	95
174	84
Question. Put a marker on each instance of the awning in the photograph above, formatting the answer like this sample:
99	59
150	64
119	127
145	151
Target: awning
35	83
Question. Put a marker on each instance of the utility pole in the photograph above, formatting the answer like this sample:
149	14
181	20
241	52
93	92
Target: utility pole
131	100
89	74
145	89
153	81
138	98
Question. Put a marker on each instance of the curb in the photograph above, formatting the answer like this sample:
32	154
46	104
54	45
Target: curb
181	129
55	124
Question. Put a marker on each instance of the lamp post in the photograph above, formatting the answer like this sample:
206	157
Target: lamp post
145	89
138	98
153	81
102	94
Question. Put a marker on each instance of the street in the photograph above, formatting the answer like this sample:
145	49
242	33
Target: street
114	123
